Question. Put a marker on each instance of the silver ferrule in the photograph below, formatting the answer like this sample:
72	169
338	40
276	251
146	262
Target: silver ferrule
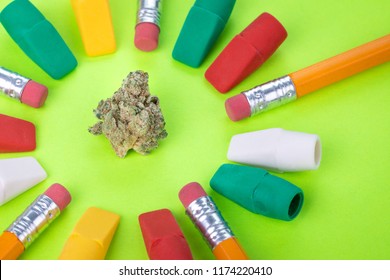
11	83
207	218
34	219
149	11
271	95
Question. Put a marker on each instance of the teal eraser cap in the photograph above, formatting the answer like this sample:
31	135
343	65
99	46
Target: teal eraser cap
203	25
258	191
38	38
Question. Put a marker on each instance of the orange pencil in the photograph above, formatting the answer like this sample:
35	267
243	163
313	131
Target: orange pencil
27	227
207	218
295	85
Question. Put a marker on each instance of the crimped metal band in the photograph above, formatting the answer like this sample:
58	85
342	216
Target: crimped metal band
34	219
11	83
271	95
207	218
149	11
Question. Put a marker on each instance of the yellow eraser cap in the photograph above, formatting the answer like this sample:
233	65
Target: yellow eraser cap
91	236
95	25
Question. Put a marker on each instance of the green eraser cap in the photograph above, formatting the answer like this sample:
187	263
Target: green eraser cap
38	38
203	25
258	191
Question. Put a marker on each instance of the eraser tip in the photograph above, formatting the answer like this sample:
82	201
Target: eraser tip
34	94
190	192
59	194
146	36
237	107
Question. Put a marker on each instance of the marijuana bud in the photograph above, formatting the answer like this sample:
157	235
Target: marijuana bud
131	118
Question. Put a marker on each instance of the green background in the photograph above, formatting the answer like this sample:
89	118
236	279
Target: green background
347	200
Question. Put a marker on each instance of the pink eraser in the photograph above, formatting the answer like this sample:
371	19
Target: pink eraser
34	94
146	36
246	52
16	135
190	192
237	107
59	194
163	237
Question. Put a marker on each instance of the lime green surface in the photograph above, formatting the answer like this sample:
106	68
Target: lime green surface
347	200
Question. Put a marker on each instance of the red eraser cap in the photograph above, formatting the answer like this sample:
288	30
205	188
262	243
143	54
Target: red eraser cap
246	52
16	135
163	237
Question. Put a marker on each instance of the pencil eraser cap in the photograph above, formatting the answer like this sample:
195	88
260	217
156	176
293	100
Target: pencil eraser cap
95	24
38	38
163	237
146	36
276	149
258	191
34	94
59	194
16	135
237	107
203	25
246	52
92	236
17	175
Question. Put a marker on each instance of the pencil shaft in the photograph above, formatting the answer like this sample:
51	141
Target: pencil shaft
341	66
10	246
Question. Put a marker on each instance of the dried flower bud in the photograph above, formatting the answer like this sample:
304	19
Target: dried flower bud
131	118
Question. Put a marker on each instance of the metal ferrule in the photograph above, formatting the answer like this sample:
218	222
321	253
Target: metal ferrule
34	220
271	95
11	83
207	218
149	11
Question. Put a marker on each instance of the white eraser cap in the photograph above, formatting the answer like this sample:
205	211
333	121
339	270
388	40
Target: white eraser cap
18	175
276	149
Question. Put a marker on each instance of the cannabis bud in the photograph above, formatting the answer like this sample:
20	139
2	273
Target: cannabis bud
131	118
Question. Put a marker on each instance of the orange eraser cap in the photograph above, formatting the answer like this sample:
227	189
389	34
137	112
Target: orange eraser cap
91	236
95	25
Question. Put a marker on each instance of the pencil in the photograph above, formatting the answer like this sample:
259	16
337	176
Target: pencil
295	85
209	221
27	227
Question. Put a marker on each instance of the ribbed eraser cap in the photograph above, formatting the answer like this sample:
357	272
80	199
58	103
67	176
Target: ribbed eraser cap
163	237
258	191
17	175
246	52
203	25
265	34
16	135
276	149
38	38
223	9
